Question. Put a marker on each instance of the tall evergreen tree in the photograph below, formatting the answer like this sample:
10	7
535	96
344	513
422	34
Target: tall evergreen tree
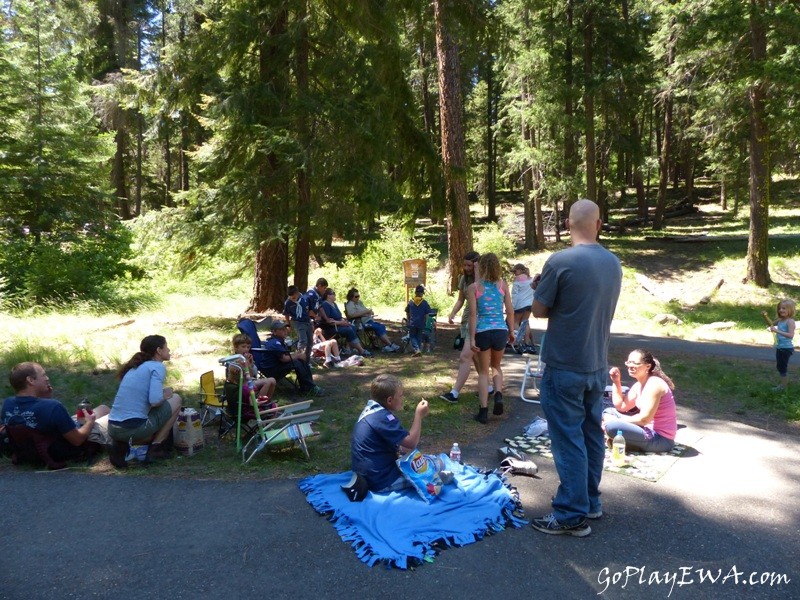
742	58
51	178
459	226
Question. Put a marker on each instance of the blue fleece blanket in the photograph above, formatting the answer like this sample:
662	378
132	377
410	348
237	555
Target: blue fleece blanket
401	530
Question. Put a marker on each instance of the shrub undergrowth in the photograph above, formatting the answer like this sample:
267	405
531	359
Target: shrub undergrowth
378	271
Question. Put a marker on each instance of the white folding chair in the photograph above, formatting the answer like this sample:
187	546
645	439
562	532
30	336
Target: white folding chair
534	369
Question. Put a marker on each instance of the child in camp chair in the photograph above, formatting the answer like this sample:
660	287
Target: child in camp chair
262	387
378	436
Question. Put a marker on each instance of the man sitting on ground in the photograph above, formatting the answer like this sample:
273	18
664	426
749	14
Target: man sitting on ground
278	361
33	408
378	437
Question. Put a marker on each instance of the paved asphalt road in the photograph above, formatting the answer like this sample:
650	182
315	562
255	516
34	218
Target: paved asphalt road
730	507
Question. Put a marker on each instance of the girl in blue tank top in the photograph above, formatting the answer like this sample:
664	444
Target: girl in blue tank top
784	328
490	328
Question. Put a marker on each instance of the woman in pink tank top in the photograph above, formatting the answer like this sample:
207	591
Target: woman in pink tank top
646	414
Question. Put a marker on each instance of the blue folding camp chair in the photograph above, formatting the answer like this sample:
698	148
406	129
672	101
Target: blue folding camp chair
247	327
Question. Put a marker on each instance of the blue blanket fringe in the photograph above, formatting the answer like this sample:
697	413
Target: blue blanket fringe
399	529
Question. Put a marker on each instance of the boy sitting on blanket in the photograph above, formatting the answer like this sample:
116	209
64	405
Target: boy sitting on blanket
378	436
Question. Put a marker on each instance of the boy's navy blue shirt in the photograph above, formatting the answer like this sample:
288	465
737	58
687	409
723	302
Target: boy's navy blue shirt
417	312
313	300
296	311
374	445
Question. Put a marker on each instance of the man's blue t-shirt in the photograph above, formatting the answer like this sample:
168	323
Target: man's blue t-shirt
42	414
296	311
373	447
274	348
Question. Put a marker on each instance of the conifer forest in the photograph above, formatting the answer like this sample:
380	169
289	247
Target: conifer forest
276	126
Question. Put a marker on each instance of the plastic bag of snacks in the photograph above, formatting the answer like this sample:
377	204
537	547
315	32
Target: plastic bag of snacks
422	470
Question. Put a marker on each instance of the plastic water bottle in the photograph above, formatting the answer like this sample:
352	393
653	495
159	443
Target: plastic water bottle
455	453
618	450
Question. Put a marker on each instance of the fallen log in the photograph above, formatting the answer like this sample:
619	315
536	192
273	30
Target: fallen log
707	298
653	288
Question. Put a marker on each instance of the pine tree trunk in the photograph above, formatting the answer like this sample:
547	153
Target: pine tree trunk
272	257
661	203
304	207
121	17
269	285
118	171
570	147
638	176
723	195
184	157
459	227
758	244
437	193
588	104
527	179
490	195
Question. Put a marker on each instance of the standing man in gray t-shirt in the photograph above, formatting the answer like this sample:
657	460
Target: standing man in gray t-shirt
577	292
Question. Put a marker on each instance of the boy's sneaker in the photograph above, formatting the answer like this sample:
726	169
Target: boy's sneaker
595	515
498	403
366	353
482	416
529	350
550	525
417	352
448	397
389	348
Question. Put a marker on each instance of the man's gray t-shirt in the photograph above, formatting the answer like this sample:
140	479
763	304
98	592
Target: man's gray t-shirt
580	286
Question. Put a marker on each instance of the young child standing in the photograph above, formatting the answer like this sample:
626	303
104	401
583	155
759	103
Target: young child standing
262	387
417	311
783	328
522	300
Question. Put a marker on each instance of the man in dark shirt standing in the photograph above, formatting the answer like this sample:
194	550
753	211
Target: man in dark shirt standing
577	293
